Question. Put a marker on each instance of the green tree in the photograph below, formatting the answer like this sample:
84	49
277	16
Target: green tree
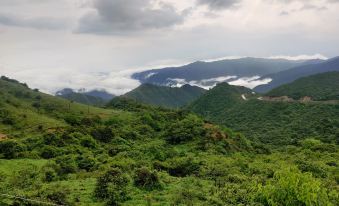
112	186
291	187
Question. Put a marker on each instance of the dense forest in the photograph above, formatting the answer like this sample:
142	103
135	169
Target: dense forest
56	151
319	87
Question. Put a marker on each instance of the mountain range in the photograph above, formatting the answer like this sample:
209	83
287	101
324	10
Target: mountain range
207	74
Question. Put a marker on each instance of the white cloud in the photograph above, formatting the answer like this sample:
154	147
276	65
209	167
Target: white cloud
250	82
32	51
300	57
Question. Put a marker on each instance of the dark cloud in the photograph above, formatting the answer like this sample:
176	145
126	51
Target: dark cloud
118	16
37	22
218	4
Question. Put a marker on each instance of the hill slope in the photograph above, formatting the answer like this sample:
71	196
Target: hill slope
171	97
324	86
23	108
210	73
277	123
135	154
290	75
219	98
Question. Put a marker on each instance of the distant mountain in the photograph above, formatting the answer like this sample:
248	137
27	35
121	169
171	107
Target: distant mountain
94	97
209	73
324	86
295	73
172	97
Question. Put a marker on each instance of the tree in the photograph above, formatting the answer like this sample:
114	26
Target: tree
146	178
112	186
291	187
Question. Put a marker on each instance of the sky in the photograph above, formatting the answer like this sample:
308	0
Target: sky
97	44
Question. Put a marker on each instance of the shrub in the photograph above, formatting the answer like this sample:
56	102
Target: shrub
72	120
86	162
112	186
49	152
146	178
103	134
291	187
11	149
183	166
58	195
316	170
88	141
66	164
49	174
185	130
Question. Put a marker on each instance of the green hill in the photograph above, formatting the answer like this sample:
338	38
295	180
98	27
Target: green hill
220	98
319	87
171	97
57	152
23	108
84	99
277	123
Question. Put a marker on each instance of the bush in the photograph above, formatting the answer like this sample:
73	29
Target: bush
86	162
183	166
49	174
66	164
291	187
88	141
112	186
316	170
103	134
11	149
58	195
185	130
49	152
146	178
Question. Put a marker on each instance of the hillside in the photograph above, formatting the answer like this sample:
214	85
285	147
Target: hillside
209	73
94	97
220	98
171	97
136	154
324	86
25	109
277	123
295	73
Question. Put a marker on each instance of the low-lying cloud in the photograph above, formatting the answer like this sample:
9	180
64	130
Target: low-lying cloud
115	82
249	82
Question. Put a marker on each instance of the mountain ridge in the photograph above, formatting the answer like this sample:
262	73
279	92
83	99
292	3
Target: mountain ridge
172	97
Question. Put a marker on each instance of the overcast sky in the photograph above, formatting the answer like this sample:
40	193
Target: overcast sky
52	44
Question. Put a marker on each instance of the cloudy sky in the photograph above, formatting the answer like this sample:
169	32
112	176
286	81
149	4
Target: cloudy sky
52	44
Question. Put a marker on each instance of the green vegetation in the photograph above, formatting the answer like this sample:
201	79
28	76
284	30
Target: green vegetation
84	99
134	154
269	122
165	96
319	87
